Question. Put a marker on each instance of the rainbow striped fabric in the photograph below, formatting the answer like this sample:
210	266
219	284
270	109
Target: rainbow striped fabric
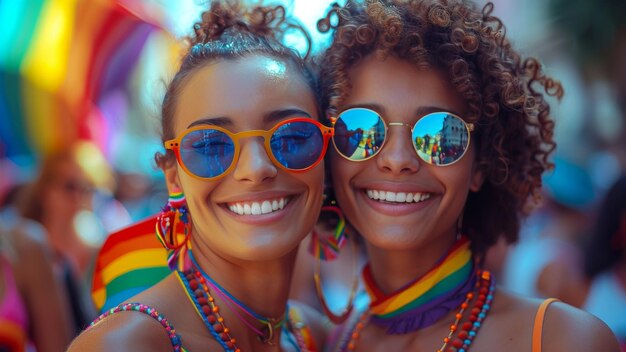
449	274
130	261
71	69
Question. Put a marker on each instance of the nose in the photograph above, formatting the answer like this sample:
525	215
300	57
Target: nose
254	165
398	154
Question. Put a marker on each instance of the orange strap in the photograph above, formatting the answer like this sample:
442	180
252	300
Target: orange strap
538	326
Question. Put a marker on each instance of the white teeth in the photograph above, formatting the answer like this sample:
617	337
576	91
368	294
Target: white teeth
258	208
266	207
397	197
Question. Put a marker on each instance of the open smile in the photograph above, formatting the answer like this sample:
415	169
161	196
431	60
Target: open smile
258	207
396	197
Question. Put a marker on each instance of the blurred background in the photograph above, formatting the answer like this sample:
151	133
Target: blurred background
94	71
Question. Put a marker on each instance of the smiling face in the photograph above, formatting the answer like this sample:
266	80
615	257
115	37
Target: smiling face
395	199
257	211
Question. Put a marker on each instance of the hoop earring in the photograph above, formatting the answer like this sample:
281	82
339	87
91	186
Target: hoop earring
343	316
327	250
173	228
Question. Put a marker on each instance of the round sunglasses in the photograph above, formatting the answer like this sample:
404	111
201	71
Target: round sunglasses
209	152
439	138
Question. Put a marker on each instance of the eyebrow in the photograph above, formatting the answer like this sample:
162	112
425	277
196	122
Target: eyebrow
215	121
275	115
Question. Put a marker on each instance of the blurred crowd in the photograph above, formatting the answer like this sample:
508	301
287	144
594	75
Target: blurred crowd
55	213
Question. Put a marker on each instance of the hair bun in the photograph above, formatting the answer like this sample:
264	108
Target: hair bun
223	15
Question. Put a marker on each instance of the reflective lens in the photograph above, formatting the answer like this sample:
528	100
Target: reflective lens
207	152
297	145
439	138
359	134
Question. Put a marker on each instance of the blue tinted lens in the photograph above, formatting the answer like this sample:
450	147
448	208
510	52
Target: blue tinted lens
440	138
359	133
207	153
297	145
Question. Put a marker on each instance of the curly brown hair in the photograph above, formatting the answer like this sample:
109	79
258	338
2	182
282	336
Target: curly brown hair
231	30
505	94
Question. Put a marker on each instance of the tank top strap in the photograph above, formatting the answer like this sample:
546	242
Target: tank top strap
538	325
142	308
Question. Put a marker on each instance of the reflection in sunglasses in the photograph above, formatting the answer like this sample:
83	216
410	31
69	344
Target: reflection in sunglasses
439	138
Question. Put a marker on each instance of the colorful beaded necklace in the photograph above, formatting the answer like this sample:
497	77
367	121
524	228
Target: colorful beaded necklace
466	332
199	287
427	299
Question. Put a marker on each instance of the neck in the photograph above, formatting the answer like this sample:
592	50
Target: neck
263	287
393	269
427	298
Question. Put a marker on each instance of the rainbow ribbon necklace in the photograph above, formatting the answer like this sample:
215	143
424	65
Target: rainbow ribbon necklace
428	298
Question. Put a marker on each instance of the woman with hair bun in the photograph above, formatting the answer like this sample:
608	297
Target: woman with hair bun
454	134
244	172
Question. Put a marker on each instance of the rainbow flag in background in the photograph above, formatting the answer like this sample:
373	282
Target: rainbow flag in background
63	63
130	261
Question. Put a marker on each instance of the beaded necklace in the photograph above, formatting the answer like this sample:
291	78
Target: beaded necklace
466	332
198	288
237	306
422	302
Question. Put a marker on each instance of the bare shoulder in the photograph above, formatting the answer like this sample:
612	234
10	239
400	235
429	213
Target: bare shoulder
567	328
124	331
137	331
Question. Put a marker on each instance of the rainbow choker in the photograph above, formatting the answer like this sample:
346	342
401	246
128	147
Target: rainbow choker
428	298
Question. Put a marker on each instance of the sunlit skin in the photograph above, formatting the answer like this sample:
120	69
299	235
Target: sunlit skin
227	94
245	253
395	232
250	256
405	240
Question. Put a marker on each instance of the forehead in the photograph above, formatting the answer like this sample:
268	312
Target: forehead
249	86
400	85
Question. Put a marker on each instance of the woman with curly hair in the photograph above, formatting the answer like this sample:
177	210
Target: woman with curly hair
243	168
462	135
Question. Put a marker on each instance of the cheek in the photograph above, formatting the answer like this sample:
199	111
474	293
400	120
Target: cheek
196	191
314	179
341	172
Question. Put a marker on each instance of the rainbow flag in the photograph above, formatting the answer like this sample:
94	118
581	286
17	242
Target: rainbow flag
130	261
70	69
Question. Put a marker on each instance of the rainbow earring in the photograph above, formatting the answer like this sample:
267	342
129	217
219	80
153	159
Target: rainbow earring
173	229
327	249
